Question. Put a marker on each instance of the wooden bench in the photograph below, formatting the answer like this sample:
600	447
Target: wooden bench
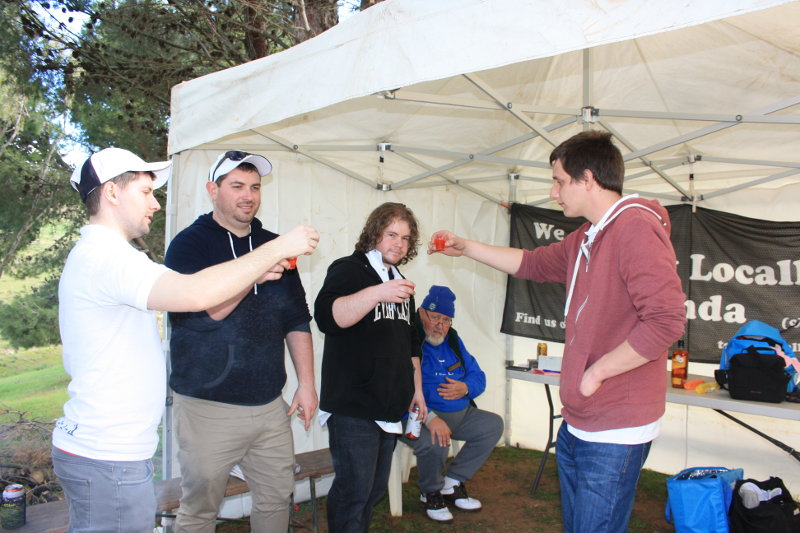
313	465
53	517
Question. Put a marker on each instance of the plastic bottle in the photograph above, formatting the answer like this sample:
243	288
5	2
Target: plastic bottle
708	386
414	424
680	365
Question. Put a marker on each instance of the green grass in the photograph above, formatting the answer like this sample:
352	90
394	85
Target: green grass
16	362
33	381
11	286
503	484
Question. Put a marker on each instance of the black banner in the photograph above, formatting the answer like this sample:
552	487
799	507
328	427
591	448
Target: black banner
733	269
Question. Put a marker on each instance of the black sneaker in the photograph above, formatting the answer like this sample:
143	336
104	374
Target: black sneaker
458	497
435	507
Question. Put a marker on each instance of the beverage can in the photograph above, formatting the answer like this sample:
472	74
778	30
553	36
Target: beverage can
413	425
12	512
541	348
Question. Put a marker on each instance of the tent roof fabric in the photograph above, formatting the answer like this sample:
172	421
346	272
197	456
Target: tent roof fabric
702	98
453	107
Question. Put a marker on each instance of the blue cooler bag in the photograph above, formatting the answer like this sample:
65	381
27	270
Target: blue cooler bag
698	499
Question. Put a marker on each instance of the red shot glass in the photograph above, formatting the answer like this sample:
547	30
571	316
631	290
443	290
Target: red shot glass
439	243
292	262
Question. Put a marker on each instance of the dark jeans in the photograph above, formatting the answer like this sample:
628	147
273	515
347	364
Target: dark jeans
598	482
362	458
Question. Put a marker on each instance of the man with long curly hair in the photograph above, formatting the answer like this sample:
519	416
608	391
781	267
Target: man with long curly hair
371	362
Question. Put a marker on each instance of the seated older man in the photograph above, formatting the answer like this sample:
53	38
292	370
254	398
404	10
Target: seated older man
451	379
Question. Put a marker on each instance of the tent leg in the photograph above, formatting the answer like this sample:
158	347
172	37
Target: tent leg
551	443
788	449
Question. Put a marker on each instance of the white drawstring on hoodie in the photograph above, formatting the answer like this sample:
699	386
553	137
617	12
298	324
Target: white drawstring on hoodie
250	240
591	233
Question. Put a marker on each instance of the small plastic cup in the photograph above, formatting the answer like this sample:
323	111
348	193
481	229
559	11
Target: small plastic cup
439	243
292	262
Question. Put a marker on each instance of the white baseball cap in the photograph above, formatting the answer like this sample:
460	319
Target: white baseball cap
232	159
111	162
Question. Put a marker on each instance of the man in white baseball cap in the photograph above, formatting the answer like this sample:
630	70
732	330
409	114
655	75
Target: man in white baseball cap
232	159
108	295
109	163
227	415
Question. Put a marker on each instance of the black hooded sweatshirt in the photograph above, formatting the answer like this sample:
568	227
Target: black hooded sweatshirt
366	368
240	359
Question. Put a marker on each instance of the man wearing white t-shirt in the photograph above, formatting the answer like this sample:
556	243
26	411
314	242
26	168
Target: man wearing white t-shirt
108	295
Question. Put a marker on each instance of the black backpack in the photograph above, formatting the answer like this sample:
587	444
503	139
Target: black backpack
780	514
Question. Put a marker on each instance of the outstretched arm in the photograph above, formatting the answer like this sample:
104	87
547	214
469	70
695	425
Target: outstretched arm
501	258
219	283
221	311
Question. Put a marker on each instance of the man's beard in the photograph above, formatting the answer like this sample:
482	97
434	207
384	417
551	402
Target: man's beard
434	340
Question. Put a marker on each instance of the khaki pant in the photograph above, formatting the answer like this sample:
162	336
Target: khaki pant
213	437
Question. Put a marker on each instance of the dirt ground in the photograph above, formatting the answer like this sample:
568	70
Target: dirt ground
503	486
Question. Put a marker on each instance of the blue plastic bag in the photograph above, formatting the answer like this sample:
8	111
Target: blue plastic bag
698	499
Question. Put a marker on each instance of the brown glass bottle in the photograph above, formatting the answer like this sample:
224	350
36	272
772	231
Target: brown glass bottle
680	365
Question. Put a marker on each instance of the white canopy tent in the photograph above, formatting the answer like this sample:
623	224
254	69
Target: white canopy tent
453	107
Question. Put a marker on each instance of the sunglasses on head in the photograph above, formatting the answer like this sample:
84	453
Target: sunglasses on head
233	155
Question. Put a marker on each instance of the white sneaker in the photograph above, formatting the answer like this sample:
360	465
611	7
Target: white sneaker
458	496
435	507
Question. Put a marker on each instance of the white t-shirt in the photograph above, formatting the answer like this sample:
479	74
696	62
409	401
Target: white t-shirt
111	350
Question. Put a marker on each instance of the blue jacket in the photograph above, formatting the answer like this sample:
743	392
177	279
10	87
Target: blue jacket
240	359
440	362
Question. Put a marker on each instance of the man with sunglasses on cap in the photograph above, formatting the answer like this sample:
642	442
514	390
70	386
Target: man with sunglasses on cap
451	380
108	294
228	369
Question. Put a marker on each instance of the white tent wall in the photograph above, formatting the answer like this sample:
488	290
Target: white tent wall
466	94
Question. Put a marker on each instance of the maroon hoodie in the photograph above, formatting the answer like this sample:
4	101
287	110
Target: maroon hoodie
627	289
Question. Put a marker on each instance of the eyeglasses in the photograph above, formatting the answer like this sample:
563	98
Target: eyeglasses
233	155
441	319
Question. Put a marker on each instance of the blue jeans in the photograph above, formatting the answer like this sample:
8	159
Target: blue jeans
107	496
598	482
362	458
